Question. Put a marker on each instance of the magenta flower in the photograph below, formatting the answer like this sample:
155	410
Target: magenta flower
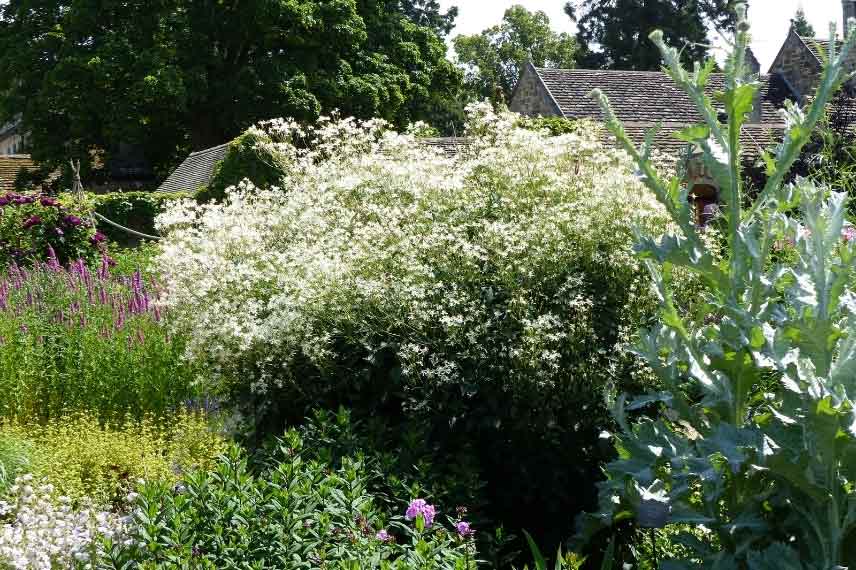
48	201
98	238
848	233
71	220
420	507
32	221
464	529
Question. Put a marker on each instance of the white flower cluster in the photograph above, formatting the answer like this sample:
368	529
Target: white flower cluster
39	531
373	236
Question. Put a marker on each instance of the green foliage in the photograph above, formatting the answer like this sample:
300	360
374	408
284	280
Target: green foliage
829	158
74	339
302	511
15	453
249	157
134	210
427	13
800	24
556	126
619	29
493	59
85	459
569	561
768	473
179	75
30	224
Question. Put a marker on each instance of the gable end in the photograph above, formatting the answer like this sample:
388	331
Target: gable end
531	96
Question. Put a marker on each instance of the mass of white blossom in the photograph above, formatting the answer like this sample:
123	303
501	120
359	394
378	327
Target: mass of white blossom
484	258
40	531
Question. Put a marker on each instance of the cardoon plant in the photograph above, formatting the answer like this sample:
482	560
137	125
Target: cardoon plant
755	449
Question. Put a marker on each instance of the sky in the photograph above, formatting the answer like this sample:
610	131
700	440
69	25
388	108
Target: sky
770	19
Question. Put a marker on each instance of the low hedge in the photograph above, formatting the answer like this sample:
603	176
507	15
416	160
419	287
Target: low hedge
134	210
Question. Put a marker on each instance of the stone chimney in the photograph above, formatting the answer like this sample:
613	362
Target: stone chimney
752	62
755	70
849	12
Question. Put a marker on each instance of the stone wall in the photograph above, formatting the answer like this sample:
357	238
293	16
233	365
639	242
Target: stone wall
531	98
11	143
798	66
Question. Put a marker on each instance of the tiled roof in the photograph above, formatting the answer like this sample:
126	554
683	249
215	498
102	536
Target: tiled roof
451	146
753	138
645	96
196	170
817	44
10	165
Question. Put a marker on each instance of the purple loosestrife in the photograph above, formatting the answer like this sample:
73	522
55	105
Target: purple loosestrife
53	262
420	507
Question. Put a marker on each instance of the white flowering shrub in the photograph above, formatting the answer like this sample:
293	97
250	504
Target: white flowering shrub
40	531
486	295
448	263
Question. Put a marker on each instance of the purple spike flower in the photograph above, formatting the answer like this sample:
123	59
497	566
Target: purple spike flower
53	262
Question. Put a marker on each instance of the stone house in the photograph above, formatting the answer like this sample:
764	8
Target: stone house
642	100
12	140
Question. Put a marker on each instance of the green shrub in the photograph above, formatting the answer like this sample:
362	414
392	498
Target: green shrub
32	224
554	125
250	156
76	339
301	512
488	298
85	459
134	210
765	470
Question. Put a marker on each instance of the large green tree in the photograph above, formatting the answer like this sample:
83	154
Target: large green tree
427	13
613	34
168	76
493	58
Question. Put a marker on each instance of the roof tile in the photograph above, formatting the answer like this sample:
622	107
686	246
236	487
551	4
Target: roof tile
10	165
196	170
646	96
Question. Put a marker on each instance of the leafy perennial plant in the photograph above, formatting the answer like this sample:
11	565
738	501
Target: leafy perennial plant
766	475
73	338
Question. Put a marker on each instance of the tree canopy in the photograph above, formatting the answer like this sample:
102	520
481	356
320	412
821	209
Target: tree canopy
801	25
168	76
613	34
493	58
427	13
